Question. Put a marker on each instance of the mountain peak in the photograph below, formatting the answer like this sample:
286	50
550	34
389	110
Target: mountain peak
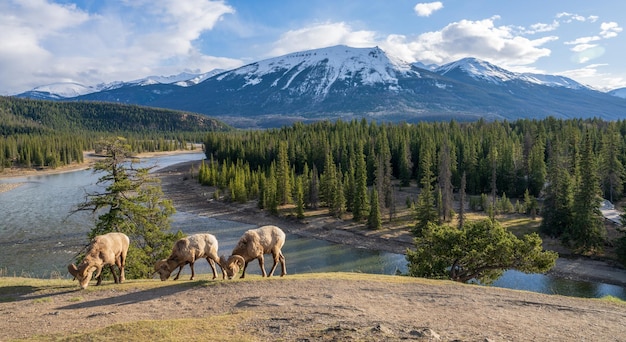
478	69
324	67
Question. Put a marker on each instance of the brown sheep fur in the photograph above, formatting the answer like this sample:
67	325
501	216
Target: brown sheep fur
186	251
108	249
253	245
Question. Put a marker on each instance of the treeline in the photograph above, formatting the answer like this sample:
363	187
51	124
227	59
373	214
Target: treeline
35	133
340	164
24	115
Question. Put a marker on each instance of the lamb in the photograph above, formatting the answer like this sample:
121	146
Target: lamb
186	251
253	245
108	249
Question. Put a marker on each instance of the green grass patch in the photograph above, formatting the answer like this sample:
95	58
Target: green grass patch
613	299
214	328
520	225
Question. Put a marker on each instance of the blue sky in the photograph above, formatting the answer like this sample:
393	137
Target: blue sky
93	41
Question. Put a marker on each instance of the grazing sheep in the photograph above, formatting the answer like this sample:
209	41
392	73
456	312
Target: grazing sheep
186	251
108	249
253	245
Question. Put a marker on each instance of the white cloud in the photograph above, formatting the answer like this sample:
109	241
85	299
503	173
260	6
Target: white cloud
591	74
426	9
481	39
322	35
542	27
610	30
583	47
45	42
571	17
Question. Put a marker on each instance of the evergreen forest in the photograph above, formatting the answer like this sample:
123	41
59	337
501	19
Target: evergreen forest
559	169
47	134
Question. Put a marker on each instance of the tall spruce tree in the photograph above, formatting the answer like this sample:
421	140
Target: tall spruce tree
558	202
283	174
425	211
611	168
374	220
132	204
586	233
445	183
360	206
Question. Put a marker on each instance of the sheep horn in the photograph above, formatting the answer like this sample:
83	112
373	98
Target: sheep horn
73	270
239	258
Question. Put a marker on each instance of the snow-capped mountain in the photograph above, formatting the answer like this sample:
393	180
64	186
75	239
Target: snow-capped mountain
68	90
483	70
338	63
353	83
620	92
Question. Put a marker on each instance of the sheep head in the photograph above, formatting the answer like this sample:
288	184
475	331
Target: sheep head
232	265
82	273
162	268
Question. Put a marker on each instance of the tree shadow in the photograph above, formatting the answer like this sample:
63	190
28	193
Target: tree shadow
138	296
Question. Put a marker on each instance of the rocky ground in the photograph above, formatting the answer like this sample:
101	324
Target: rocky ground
332	307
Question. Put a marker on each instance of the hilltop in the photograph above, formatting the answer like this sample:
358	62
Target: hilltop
310	307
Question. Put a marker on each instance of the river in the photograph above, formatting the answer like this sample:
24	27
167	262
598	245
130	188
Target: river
38	237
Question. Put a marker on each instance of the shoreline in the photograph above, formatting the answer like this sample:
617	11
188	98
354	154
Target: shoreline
89	158
189	196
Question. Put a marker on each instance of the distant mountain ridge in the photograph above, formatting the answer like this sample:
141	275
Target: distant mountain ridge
344	82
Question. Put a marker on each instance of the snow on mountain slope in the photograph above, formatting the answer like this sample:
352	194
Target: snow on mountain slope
338	63
620	92
552	80
65	89
479	69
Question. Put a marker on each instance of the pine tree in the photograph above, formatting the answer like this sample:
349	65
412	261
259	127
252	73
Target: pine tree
360	206
587	230
445	183
132	204
374	219
283	174
557	206
611	168
405	165
299	197
425	211
462	202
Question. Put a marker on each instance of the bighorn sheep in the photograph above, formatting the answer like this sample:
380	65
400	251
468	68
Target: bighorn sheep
186	251
253	245
108	249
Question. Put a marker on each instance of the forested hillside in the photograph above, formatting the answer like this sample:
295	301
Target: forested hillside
36	133
560	169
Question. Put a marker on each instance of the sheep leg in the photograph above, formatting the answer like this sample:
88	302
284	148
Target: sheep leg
212	264
99	275
180	268
283	265
243	273
262	265
193	273
121	261
276	258
116	279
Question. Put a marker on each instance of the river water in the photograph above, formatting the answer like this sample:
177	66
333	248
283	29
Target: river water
38	237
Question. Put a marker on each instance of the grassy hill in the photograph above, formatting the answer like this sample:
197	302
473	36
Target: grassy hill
302	307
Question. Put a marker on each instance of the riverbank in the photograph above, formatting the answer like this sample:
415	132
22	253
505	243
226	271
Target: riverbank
89	159
189	196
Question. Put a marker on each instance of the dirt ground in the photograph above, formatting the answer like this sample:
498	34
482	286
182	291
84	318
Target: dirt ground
333	307
330	307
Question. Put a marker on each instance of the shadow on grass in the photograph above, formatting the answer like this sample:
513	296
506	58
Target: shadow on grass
25	292
133	297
